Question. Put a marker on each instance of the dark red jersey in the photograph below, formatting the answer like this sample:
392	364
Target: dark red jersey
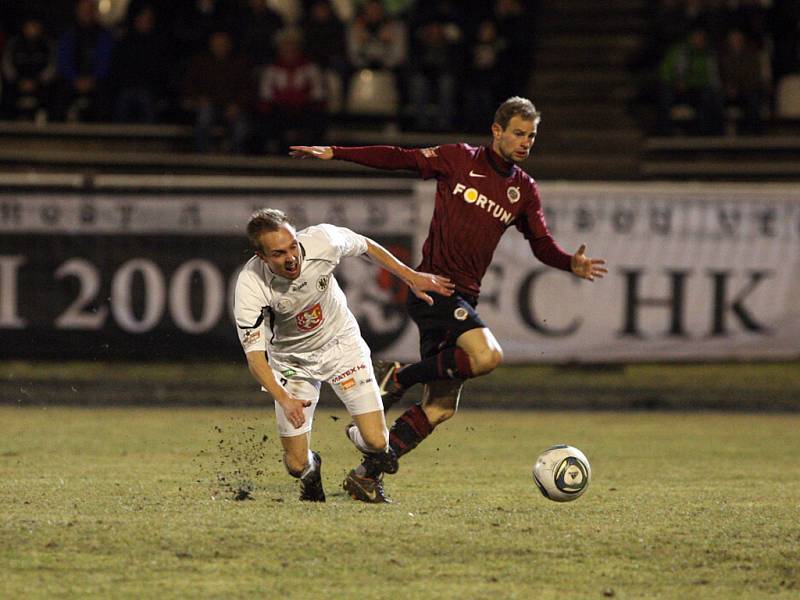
478	197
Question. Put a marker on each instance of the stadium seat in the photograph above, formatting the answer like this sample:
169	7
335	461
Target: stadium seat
372	92
787	97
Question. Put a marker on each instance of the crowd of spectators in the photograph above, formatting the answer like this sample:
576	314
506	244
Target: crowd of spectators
720	58
260	74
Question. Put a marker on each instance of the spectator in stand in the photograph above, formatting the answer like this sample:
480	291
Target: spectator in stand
325	42
291	95
437	40
483	75
396	9
84	61
689	74
29	68
742	80
193	21
375	40
786	33
515	25
219	91
259	24
139	70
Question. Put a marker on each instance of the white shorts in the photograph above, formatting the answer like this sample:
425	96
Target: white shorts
344	363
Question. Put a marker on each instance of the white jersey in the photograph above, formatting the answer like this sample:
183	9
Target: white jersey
300	315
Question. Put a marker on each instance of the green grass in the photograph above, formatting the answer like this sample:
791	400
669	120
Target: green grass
127	503
731	386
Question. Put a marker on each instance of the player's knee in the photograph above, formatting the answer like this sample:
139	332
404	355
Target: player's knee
295	464
486	361
376	440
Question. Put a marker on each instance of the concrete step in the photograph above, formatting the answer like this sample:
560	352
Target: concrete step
617	140
598	41
587	77
549	96
583	57
577	7
592	22
714	168
559	165
588	118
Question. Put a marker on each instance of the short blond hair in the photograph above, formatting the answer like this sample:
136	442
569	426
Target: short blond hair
263	220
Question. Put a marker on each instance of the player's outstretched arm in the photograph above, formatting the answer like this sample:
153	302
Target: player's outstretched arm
418	282
585	267
321	152
261	371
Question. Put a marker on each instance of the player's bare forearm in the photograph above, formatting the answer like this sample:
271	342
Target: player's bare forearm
262	373
389	261
418	282
292	407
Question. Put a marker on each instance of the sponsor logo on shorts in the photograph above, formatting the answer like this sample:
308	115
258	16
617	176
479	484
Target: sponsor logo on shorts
310	318
460	314
348	383
323	282
288	373
251	336
348	373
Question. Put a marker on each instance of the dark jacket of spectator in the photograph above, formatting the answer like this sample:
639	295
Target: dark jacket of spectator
85	51
222	80
325	35
259	24
33	59
29	67
375	40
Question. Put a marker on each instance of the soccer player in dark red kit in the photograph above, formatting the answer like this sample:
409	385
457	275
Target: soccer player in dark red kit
481	192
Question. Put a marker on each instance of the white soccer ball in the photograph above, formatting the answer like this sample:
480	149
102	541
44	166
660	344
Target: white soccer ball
562	473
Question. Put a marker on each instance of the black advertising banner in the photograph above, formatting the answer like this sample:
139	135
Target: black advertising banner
127	276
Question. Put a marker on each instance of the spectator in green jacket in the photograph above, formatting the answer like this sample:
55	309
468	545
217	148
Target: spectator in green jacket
689	74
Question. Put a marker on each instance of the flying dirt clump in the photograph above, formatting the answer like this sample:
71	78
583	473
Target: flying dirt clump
241	454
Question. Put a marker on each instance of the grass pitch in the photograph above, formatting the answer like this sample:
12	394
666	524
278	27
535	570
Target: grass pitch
131	503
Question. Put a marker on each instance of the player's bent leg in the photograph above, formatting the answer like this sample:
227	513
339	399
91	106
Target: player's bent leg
482	349
305	465
295	453
371	434
365	483
440	400
389	386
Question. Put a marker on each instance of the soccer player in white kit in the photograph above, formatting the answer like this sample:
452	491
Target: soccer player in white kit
297	331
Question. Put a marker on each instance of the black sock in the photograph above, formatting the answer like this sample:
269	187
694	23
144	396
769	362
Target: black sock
450	363
409	430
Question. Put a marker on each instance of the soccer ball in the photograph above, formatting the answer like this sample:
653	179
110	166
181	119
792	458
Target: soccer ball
562	473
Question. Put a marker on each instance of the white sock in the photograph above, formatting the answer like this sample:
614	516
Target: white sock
355	436
310	467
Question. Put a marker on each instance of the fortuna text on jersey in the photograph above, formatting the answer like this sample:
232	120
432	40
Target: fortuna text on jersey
473	196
